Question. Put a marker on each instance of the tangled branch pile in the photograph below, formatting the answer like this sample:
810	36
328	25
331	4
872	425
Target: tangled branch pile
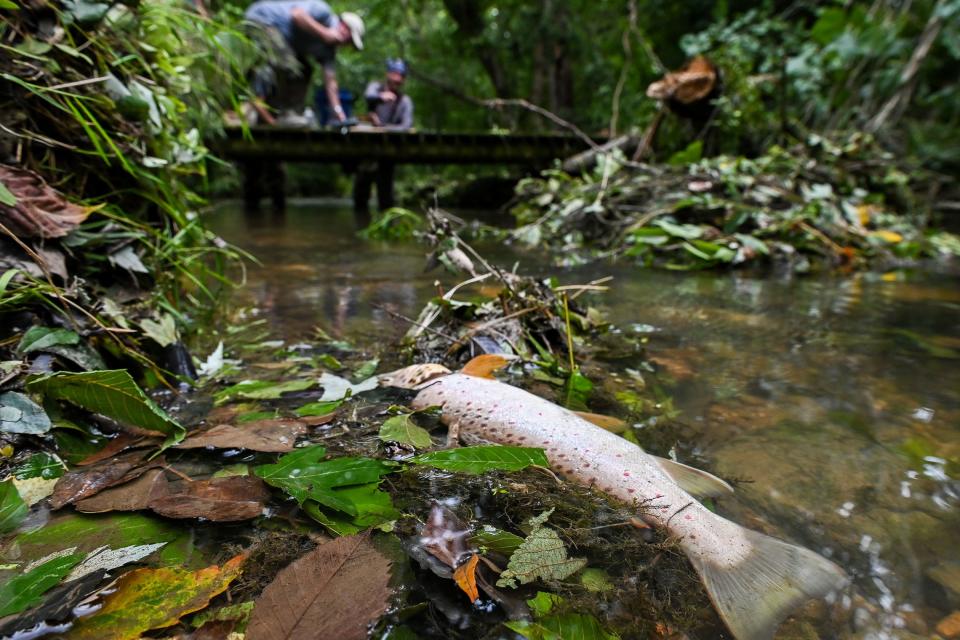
844	205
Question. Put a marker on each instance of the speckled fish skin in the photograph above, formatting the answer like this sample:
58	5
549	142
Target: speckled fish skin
753	580
494	412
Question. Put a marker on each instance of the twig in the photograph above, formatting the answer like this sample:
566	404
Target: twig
413	322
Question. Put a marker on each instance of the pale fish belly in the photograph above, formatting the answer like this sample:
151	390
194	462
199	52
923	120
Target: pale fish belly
492	411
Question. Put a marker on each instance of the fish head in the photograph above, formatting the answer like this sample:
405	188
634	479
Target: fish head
412	377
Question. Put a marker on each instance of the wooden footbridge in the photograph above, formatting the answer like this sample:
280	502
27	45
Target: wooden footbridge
413	147
259	150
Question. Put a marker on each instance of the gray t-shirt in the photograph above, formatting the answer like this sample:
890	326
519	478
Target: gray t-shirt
396	115
277	14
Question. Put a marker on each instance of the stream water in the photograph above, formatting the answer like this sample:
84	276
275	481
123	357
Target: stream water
835	398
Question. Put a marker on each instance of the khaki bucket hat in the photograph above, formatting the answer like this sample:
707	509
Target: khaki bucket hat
355	23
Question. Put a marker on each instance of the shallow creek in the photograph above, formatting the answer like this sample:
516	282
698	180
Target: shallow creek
834	399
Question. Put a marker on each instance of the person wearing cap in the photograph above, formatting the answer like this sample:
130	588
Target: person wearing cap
390	108
292	32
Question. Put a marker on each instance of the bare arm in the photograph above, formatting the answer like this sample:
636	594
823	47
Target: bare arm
305	22
333	92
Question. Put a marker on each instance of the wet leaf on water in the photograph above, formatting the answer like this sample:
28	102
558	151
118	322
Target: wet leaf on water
558	626
20	414
119	443
318	408
83	483
219	500
262	389
542	555
12	507
112	393
55	607
337	388
404	430
89	532
27	589
162	331
373	506
466	577
132	496
39	465
306	476
496	540
270	436
107	559
335	591
147	599
483	458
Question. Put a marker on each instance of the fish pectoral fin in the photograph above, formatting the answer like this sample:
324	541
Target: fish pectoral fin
614	425
484	365
696	482
413	376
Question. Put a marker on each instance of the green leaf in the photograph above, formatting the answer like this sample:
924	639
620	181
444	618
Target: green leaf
691	154
576	391
112	393
318	408
25	590
483	458
404	430
496	540
12	507
366	369
162	331
5	279
262	389
6	197
20	414
374	507
306	476
39	465
541	556
61	342
581	626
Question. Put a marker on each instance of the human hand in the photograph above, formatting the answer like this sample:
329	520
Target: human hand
388	96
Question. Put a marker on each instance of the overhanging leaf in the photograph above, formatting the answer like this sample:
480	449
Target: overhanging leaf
40	338
112	393
335	591
154	598
26	590
483	458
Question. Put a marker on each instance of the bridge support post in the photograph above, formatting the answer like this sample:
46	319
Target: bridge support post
258	176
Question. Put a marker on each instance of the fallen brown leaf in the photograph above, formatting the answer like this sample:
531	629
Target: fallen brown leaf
466	577
218	499
444	536
335	591
119	443
131	496
83	483
316	421
40	211
270	436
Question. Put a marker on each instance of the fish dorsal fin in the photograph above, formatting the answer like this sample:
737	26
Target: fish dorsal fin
413	376
484	365
616	425
696	482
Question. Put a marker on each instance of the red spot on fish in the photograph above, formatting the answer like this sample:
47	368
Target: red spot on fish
631	490
619	455
585	464
522	438
688	517
592	480
626	473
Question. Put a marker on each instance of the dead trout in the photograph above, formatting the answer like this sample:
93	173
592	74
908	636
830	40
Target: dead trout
753	580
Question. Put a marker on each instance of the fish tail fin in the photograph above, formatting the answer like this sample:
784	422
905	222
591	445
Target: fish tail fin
754	595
